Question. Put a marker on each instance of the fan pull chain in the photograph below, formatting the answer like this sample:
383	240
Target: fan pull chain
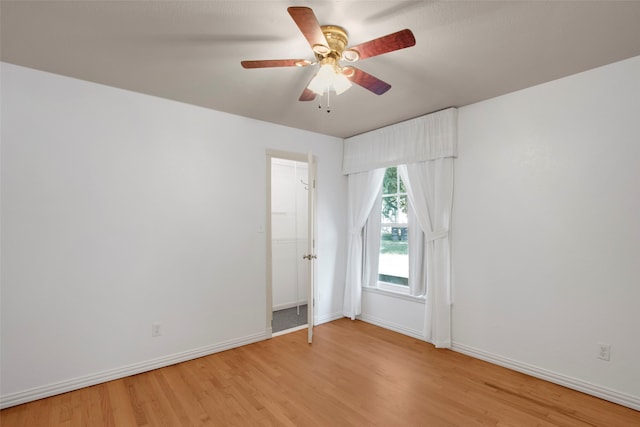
328	101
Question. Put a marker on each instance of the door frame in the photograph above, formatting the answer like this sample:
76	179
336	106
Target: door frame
298	157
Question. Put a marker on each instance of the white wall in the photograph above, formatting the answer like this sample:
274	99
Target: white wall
289	223
120	210
546	230
400	313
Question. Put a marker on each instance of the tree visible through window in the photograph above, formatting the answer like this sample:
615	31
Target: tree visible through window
393	267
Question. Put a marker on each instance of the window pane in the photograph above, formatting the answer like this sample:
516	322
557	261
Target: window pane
389	209
402	214
390	182
394	256
393	267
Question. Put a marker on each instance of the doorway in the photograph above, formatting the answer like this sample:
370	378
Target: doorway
288	227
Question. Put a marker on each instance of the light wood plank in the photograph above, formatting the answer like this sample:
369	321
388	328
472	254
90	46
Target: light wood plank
354	374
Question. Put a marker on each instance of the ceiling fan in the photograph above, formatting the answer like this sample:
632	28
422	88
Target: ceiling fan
329	44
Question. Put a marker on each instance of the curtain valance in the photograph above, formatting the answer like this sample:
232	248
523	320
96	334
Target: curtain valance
429	137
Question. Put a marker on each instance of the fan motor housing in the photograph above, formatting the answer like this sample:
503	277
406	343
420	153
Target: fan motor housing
337	38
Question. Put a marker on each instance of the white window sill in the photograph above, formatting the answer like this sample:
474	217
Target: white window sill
393	294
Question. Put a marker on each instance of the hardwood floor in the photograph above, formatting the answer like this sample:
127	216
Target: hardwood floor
355	374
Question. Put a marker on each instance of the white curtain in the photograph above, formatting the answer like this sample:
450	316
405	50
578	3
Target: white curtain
362	191
417	259
431	141
371	244
430	190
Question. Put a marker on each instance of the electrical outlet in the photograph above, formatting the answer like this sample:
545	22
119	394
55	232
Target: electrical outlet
155	330
604	351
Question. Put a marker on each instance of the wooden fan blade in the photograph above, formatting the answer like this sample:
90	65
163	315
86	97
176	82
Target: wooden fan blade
275	63
368	81
307	95
306	20
384	44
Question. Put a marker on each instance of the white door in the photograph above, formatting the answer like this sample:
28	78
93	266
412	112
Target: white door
309	228
311	239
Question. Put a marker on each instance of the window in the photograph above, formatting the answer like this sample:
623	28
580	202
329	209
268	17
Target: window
393	264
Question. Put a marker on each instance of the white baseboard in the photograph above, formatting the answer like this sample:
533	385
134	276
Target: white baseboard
125	371
392	326
325	318
554	377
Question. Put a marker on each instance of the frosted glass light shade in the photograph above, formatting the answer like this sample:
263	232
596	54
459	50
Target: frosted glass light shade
327	79
340	83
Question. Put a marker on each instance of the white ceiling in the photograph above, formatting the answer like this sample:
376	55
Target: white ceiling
190	51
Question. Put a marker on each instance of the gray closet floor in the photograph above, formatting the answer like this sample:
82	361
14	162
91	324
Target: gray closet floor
289	318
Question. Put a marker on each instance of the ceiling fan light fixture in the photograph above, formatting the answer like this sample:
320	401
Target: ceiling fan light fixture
322	80
328	78
341	83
